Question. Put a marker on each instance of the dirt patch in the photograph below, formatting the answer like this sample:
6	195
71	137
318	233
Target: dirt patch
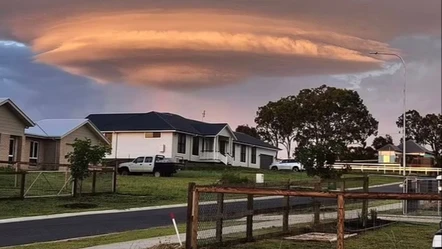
166	246
80	205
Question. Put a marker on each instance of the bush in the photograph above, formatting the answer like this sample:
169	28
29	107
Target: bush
233	178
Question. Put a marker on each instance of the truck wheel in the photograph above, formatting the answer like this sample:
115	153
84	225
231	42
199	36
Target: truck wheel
124	172
157	174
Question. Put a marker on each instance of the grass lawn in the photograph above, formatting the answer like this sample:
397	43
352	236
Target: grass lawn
401	235
141	191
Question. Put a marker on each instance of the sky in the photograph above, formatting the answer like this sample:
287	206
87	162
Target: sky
71	58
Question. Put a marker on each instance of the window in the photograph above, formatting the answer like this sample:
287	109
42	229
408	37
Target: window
243	153
233	151
33	152
148	159
253	159
139	160
182	143
195	146
11	155
152	134
108	136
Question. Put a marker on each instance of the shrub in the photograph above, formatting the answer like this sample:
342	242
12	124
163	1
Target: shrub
233	178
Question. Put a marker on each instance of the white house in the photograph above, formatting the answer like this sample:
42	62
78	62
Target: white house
173	136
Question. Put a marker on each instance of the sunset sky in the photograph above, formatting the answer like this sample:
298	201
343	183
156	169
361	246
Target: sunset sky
70	58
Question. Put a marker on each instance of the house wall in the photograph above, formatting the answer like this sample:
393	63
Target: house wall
41	149
134	144
10	125
248	163
66	143
387	157
188	154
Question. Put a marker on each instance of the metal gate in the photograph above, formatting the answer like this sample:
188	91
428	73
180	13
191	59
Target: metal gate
47	184
422	185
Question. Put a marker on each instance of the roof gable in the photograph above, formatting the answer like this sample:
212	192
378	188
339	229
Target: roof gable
412	147
17	111
390	147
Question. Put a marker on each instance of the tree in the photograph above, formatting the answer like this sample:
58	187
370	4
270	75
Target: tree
431	134
381	141
413	125
278	122
82	156
330	120
246	129
358	153
425	130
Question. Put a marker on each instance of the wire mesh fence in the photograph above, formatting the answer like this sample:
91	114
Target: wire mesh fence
30	184
226	215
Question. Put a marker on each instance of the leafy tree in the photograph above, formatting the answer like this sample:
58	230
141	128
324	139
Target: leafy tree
413	125
330	120
277	122
381	141
358	153
246	129
425	130
82	156
431	134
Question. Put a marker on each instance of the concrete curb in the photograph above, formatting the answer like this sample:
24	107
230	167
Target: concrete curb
113	211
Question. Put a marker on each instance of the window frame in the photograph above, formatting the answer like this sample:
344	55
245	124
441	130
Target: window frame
135	161
149	135
195	146
181	143
34	149
148	157
243	153
253	156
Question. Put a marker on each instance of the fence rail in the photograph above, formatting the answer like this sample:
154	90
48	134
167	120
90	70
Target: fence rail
387	168
224	221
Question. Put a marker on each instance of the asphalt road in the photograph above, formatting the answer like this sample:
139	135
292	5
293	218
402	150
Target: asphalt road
18	233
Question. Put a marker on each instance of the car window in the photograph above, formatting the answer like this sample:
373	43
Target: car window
292	161
284	161
148	159
139	159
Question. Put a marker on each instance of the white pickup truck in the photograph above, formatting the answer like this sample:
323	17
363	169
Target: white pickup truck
157	165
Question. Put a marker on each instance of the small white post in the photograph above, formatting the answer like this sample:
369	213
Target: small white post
172	216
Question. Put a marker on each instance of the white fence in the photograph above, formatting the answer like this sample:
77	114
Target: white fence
387	168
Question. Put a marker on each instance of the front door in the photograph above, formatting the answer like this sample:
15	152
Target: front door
137	164
222	147
148	164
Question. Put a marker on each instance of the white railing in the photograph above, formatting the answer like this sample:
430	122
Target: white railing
222	158
395	168
207	155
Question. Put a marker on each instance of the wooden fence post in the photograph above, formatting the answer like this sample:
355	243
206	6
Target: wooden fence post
341	220
285	217
317	205
189	229
249	229
94	181
342	184
365	201
219	219
22	185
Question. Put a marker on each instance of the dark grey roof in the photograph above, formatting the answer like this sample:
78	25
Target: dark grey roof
390	147
247	139
153	121
411	147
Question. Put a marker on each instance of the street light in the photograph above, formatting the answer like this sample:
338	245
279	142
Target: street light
404	156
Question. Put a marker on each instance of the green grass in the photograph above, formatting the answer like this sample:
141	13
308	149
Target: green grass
141	191
397	236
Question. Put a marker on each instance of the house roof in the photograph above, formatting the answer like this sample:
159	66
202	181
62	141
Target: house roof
157	121
59	128
153	121
17	111
247	139
390	147
411	147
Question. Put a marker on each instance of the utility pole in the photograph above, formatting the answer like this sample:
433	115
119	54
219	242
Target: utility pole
203	115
